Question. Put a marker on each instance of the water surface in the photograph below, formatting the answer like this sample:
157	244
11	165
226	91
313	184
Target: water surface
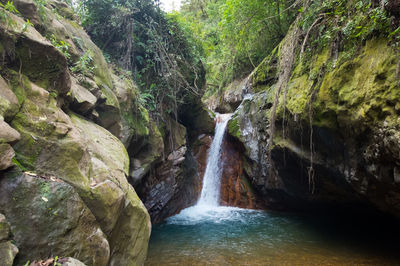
233	236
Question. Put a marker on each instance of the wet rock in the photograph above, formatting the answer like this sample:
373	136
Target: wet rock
236	189
200	151
355	144
171	188
173	184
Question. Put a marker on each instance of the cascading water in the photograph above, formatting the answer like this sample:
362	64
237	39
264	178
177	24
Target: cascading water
209	234
212	176
207	207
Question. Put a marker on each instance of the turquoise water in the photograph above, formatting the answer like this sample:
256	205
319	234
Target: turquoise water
233	236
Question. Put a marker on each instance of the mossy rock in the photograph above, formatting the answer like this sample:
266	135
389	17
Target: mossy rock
8	101
134	117
64	225
6	156
50	71
8	251
233	128
5	230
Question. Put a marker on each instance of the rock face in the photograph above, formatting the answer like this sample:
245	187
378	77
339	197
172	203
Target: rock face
344	149
49	217
236	190
68	130
8	251
8	136
230	98
174	183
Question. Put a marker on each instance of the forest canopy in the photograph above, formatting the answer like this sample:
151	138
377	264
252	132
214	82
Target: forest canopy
167	53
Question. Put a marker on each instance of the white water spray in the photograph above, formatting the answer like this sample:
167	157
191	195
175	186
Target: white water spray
207	208
212	176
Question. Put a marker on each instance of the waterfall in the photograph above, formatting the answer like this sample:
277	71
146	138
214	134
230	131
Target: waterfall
212	176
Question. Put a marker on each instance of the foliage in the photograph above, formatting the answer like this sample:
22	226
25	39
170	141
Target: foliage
27	24
140	38
84	65
41	6
347	23
62	46
236	34
8	7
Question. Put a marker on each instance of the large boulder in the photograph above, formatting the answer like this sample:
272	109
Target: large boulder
62	223
93	161
89	163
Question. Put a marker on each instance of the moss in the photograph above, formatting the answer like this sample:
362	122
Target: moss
234	128
363	88
111	150
45	189
25	161
298	96
266	72
137	122
18	83
44	71
19	165
360	88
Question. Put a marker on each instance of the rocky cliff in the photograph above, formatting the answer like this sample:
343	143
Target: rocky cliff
64	187
75	141
332	110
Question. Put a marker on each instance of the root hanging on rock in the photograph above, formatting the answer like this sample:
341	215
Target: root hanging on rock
313	92
286	62
319	18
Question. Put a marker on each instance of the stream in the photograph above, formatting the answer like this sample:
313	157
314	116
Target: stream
209	234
